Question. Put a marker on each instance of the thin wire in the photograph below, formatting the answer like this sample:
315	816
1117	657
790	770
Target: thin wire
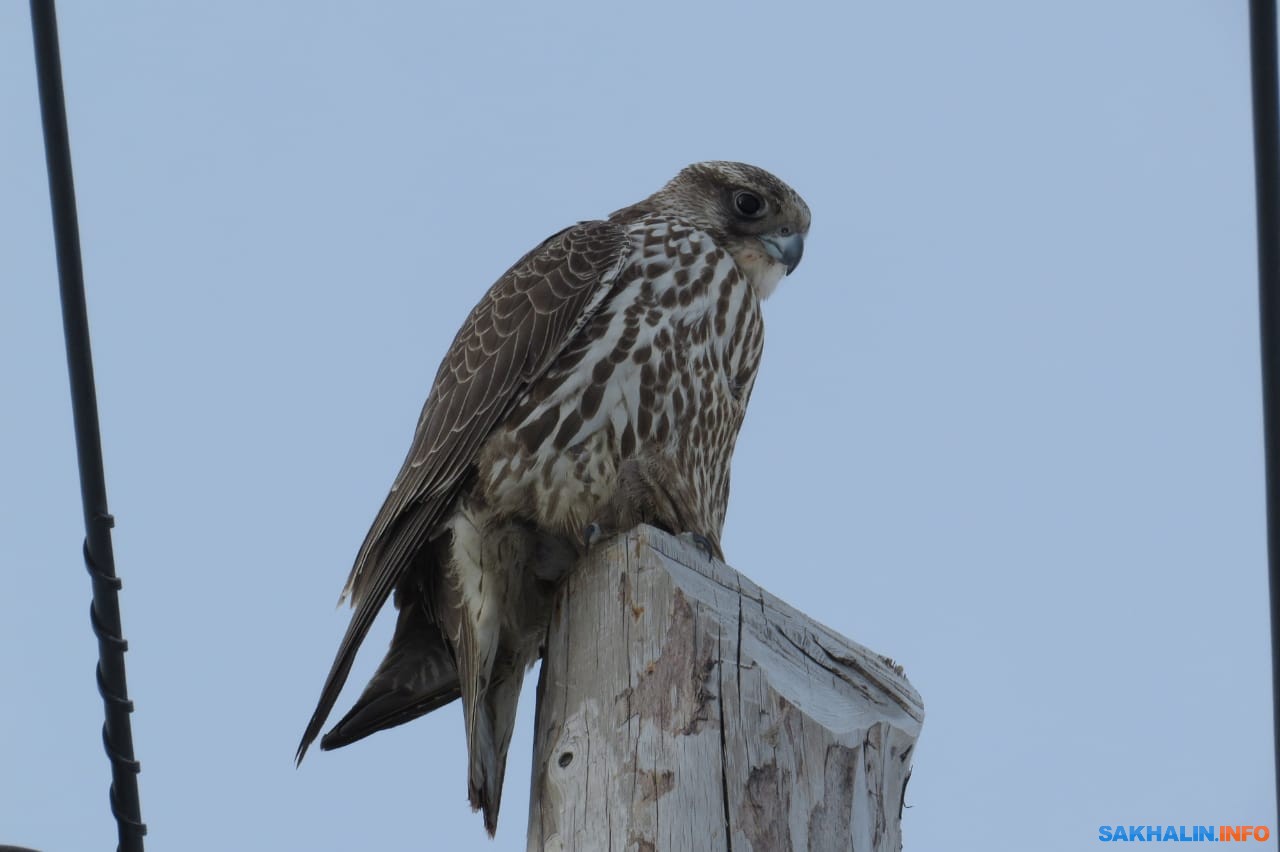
1266	159
104	614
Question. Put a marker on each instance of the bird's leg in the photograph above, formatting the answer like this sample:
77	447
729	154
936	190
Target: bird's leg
629	506
650	491
592	533
618	513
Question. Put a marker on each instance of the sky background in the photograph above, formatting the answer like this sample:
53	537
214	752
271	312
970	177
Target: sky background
1007	428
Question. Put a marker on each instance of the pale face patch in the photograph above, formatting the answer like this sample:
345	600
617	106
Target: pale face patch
762	272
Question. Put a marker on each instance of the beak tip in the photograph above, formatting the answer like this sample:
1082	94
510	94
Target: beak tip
788	249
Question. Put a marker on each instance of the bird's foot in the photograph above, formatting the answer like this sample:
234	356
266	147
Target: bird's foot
699	541
592	534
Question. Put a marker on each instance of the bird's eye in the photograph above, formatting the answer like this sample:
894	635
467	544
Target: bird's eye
748	204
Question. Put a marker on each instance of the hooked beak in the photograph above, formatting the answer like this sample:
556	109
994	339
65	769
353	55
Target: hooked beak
785	248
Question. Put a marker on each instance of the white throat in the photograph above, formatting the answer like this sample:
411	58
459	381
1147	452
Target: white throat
762	272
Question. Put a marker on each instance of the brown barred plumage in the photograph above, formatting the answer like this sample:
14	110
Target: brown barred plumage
600	382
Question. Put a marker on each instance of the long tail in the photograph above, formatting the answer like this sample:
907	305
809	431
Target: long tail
489	738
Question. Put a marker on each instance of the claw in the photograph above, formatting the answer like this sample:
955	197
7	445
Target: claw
591	533
699	541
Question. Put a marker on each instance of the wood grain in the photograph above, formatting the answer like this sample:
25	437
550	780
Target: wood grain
682	707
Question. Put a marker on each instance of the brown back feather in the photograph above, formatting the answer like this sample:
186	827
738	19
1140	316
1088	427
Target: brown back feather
507	342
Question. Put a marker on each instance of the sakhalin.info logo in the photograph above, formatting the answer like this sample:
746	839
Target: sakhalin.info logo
1182	833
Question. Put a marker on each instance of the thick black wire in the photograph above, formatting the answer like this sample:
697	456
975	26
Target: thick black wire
104	614
1266	158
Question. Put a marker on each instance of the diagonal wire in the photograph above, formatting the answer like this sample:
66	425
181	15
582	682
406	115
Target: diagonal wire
117	735
1266	165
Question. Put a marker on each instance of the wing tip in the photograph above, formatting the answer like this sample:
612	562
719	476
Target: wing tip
308	737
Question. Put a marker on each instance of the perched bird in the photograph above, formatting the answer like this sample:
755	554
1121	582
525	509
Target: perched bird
599	384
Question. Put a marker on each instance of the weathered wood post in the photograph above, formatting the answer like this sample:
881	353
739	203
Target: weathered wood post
682	707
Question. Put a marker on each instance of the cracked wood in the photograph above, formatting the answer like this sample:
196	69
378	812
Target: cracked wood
682	707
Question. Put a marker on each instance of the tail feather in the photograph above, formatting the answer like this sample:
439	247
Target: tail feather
487	749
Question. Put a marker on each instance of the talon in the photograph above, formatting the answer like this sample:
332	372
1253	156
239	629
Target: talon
590	534
701	542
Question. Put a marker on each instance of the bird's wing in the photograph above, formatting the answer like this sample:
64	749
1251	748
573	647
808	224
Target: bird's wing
509	340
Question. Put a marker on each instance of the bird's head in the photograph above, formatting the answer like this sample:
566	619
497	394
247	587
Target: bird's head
756	217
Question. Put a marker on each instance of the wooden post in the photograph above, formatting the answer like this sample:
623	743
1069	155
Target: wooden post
682	707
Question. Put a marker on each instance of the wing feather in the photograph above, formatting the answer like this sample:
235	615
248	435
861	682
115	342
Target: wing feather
508	341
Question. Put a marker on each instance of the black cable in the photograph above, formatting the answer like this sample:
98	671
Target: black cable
117	735
1266	165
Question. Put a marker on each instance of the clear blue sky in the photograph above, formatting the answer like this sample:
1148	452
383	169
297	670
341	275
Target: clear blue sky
1007	430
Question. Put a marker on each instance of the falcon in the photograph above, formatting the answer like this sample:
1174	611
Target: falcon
599	384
